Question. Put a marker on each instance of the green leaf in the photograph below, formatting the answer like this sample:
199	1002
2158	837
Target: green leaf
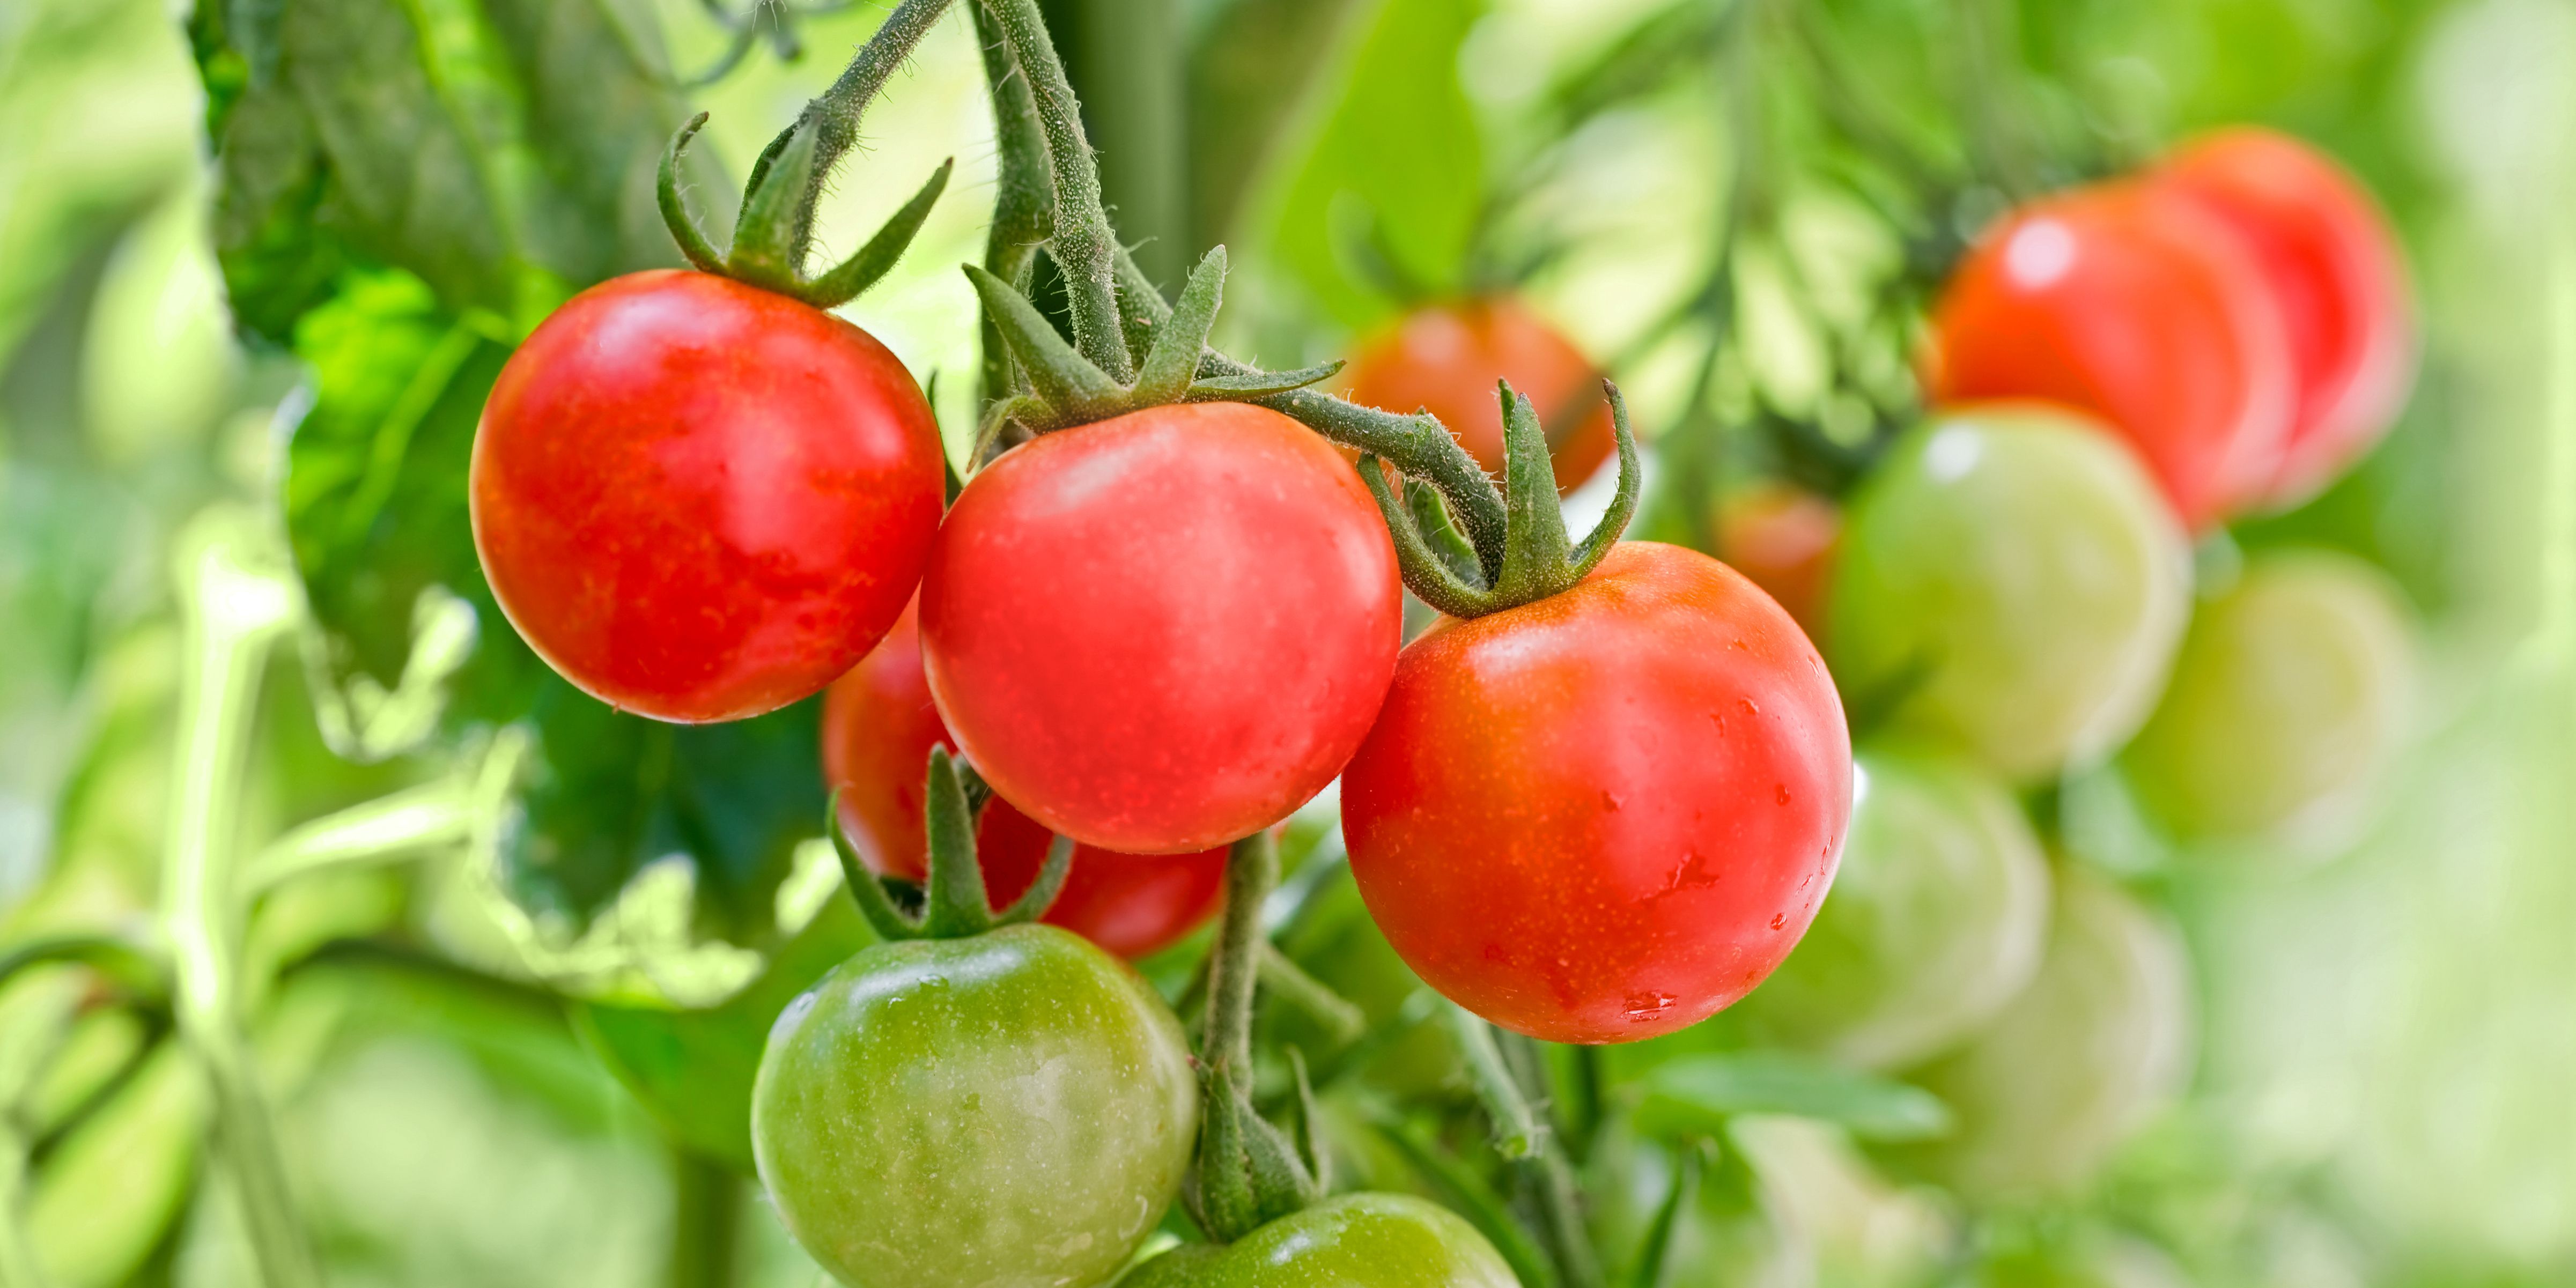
1695	1095
1398	150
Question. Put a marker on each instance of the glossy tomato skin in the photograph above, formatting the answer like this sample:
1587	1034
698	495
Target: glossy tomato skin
2150	314
1608	814
1163	632
2334	268
1447	357
1015	1107
1347	1241
879	725
698	500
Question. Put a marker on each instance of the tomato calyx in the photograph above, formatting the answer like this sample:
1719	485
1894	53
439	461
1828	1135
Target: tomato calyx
954	904
776	221
1539	557
1066	389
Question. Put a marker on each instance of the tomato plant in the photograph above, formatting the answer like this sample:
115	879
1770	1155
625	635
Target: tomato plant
2008	582
879	723
1010	1106
2334	271
699	500
1163	631
1936	919
1446	358
1607	814
1782	538
2286	702
1364	1240
2151	315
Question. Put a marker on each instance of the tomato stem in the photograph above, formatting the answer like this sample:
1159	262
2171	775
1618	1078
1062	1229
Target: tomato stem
1082	242
237	600
1251	869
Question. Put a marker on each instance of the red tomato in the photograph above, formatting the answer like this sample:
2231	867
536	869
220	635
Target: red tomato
878	728
1782	538
699	500
2149	313
1608	814
1447	358
1166	631
2334	268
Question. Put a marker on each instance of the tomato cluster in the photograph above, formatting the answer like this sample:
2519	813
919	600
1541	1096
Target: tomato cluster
1601	800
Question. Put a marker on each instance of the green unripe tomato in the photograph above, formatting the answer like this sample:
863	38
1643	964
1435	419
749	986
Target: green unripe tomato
2011	582
1935	920
2079	1060
2288	698
1014	1108
1349	1241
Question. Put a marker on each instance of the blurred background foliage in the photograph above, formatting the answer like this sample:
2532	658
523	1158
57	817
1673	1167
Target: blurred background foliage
2380	1065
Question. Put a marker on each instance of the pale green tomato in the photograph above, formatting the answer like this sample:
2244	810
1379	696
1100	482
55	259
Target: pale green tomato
1935	919
2287	701
1351	1241
2010	581
2080	1059
1014	1108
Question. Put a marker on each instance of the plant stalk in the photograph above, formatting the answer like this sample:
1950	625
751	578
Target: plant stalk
706	1223
834	114
1082	241
1251	870
237	601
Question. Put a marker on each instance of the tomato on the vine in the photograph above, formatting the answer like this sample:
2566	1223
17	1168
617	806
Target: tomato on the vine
1446	359
1162	632
2152	315
1355	1240
2335	271
2286	702
1011	1107
2078	1060
2008	582
1782	538
1609	813
878	728
699	500
1937	918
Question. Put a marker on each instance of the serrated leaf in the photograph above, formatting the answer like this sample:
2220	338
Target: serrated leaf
1695	1095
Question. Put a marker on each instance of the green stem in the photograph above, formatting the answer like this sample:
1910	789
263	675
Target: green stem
237	601
706	1223
18	1265
1251	870
1024	191
834	114
1084	245
1125	59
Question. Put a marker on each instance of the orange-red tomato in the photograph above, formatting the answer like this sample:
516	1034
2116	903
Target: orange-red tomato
1782	539
2150	313
1166	631
1607	814
698	500
2334	268
1446	359
878	729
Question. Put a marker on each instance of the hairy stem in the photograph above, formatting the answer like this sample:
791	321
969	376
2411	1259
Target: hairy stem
1024	190
834	114
1083	243
1251	870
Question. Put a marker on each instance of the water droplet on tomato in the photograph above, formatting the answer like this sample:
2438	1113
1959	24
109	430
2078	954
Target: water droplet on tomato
1779	920
1781	792
1643	1007
1749	708
1609	799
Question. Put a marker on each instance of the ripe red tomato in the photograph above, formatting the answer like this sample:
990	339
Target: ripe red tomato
878	728
1166	631
1446	358
1782	538
2334	268
2150	313
1608	814
699	500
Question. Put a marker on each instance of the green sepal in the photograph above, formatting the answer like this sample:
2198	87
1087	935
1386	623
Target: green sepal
1311	1150
1281	1185
1431	517
861	271
1040	896
1164	374
1220	1195
957	904
1537	559
1259	384
1065	384
692	240
866	891
764	242
1517	1133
